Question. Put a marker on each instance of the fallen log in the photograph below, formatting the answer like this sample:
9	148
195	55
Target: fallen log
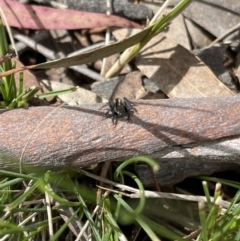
186	136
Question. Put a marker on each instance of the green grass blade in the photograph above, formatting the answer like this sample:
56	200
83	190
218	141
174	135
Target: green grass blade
56	93
58	234
202	216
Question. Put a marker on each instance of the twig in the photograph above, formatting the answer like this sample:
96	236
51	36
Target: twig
107	36
229	31
199	136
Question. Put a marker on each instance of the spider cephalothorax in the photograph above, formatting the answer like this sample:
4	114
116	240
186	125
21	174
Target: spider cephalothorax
120	108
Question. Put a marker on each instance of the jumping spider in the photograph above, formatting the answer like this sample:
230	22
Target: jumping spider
120	108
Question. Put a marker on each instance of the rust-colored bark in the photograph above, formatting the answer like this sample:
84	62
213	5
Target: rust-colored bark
183	131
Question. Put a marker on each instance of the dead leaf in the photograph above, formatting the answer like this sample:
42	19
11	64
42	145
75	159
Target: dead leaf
215	16
105	88
80	96
39	17
130	87
177	32
176	71
199	37
88	57
213	59
237	66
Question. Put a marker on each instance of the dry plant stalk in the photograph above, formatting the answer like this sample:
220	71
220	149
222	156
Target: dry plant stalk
176	130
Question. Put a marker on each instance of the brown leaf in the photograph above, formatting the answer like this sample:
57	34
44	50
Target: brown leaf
130	87
215	16
88	57
39	17
177	32
176	71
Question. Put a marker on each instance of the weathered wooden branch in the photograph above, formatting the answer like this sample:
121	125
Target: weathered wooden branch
187	136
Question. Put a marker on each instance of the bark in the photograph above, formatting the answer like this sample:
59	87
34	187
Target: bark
187	136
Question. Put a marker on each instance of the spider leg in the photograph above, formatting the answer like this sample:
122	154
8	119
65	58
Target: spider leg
114	119
128	116
106	114
126	100
130	103
135	110
105	105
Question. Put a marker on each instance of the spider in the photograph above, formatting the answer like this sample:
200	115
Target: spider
120	108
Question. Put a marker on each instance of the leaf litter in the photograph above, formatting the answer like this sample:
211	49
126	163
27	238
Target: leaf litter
163	64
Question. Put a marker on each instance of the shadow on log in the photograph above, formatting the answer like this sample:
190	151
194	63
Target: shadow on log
187	136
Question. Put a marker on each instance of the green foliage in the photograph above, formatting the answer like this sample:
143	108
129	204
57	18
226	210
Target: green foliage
219	225
10	96
22	195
